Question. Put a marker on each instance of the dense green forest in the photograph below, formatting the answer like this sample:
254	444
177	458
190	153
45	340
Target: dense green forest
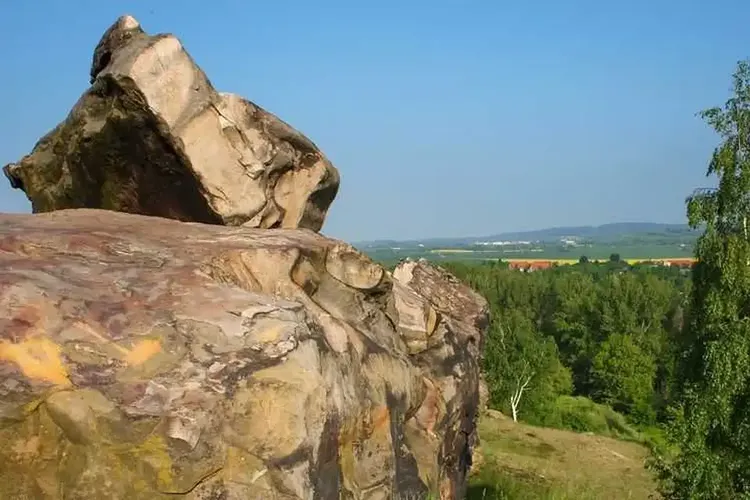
605	332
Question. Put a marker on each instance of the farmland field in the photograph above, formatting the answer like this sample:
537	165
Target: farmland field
633	244
630	253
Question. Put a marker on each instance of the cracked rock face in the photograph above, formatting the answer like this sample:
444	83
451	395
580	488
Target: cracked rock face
152	136
174	357
146	358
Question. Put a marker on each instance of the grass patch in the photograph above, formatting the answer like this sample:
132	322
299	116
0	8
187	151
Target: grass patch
498	483
519	462
580	414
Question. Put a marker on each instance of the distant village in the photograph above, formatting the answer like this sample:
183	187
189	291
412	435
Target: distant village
529	265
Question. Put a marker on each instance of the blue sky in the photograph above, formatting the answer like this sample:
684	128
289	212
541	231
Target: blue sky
445	118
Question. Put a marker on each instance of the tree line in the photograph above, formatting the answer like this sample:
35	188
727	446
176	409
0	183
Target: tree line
601	331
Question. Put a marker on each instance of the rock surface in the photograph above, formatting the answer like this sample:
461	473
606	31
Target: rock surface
152	136
146	358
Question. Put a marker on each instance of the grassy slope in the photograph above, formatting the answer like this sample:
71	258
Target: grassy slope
517	461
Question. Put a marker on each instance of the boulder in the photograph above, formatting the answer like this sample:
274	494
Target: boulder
147	358
152	136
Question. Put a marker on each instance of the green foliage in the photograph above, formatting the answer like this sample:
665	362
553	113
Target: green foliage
516	352
711	423
580	414
657	440
623	377
603	331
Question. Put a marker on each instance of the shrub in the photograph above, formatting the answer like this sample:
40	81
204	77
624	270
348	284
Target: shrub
580	414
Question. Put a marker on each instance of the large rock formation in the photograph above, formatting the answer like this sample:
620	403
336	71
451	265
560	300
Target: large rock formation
152	136
146	358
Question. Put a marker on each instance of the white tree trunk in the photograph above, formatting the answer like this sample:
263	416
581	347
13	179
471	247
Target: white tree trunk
521	385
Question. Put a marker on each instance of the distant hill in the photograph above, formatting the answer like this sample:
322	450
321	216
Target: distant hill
606	232
597	233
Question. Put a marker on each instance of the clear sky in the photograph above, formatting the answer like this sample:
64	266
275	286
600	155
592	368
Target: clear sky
445	118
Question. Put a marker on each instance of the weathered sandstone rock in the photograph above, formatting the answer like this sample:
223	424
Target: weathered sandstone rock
465	313
145	358
152	136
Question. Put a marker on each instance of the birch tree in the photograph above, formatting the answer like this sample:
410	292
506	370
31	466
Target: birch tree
522	382
712	420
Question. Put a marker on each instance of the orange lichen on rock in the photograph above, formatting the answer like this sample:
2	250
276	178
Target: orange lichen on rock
142	351
38	359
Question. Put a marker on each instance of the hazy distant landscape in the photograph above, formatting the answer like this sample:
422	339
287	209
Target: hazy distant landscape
633	240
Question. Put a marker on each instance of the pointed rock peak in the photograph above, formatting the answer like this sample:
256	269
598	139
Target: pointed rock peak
117	35
127	22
